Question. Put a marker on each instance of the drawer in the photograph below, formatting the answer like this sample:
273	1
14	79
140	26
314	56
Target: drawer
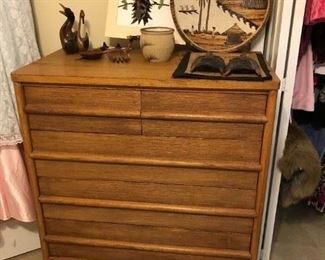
149	192
147	234
82	101
108	253
208	223
212	130
86	124
202	104
149	147
147	174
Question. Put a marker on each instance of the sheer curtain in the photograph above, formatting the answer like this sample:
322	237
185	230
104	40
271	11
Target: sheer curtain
18	47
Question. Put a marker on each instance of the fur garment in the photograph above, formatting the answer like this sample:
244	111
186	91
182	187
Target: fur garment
300	167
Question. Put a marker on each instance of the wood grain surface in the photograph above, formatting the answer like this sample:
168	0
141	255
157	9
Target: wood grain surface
147	174
149	192
126	162
208	223
206	130
79	101
85	124
63	251
25	131
62	69
199	251
155	207
148	234
149	147
202	103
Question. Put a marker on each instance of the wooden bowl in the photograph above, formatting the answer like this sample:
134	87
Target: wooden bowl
92	54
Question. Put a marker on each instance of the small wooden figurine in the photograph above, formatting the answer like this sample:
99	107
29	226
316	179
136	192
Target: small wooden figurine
119	54
83	42
67	36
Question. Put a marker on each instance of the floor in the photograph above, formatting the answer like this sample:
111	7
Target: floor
299	234
34	255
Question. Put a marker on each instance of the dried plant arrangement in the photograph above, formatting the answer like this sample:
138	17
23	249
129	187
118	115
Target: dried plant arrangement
141	9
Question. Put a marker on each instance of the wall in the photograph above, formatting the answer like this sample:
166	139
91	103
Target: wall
48	21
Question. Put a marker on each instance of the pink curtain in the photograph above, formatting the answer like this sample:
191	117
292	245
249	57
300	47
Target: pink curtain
15	194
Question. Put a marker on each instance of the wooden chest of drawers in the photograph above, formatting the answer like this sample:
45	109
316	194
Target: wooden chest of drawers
127	163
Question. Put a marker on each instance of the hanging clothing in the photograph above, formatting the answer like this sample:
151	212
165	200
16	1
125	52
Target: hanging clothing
311	50
317	40
300	167
320	69
314	12
15	195
18	47
303	94
316	136
317	201
313	123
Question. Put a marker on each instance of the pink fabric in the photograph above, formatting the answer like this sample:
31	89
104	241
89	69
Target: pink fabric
303	94
315	12
15	195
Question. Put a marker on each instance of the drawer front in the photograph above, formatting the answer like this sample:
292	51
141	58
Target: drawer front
84	101
147	174
147	234
149	192
102	253
209	130
86	124
147	147
203	104
149	218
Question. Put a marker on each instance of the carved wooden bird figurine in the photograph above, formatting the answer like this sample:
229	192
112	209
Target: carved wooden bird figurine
67	36
83	42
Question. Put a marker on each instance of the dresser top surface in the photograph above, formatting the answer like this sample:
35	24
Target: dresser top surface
59	68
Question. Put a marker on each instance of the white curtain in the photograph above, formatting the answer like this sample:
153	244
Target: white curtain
18	47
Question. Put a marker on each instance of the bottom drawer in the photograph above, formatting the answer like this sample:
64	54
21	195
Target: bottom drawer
62	251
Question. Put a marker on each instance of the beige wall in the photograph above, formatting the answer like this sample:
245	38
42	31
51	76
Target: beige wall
48	21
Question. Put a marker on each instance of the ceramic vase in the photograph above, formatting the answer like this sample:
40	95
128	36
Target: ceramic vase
157	43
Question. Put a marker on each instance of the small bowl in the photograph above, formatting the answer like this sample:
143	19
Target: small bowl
92	54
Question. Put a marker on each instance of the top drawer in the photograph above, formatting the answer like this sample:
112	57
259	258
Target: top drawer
204	105
82	101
